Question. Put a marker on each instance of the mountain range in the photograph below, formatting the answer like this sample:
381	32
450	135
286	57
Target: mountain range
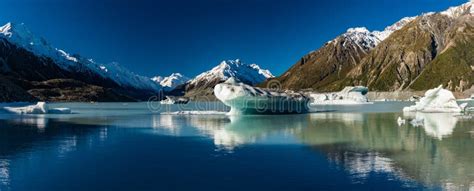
32	69
415	53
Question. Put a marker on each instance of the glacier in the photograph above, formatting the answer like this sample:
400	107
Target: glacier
437	100
350	95
39	108
245	99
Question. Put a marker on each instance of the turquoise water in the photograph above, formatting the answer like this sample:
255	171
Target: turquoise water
131	146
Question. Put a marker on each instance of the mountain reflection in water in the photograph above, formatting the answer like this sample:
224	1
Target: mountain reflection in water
436	155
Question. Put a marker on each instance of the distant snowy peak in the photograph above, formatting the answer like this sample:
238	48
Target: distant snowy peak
248	73
157	79
367	40
172	81
362	37
464	9
264	72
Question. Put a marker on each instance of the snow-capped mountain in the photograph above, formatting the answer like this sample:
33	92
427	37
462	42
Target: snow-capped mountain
366	39
170	82
330	63
414	53
203	84
21	36
248	73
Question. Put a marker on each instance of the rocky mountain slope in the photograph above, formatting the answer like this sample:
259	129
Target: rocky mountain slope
321	68
416	53
30	64
203	84
433	49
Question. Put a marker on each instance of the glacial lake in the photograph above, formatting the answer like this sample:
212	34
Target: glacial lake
131	146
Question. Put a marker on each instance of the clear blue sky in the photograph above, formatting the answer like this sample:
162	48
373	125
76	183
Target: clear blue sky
153	37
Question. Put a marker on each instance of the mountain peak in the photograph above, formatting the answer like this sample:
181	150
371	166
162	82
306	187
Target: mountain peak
357	30
249	73
6	29
172	81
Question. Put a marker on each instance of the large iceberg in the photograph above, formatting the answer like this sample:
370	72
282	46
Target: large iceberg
437	100
245	99
348	96
39	108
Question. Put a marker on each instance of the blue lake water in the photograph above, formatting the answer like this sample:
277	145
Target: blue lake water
131	146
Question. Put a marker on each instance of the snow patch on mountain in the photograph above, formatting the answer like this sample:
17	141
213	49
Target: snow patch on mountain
21	36
382	35
457	11
362	37
172	81
125	77
248	73
368	40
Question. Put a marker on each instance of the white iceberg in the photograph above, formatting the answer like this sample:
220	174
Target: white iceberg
348	96
39	108
174	100
245	99
437	100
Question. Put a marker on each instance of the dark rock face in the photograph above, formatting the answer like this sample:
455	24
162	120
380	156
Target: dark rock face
203	90
27	77
10	92
72	90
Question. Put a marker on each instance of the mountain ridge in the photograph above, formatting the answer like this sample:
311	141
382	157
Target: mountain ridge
394	59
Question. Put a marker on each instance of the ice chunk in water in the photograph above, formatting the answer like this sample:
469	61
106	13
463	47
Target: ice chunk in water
245	99
437	100
39	108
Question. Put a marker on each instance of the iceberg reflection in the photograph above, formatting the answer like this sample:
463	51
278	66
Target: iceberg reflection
438	154
39	121
437	125
228	132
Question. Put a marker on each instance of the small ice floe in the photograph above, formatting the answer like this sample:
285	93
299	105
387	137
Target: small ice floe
348	96
401	121
245	99
194	113
39	108
174	100
437	100
417	122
